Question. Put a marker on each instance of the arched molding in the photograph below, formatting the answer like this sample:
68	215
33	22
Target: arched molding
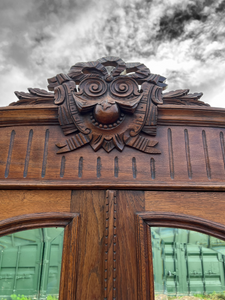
33	221
70	222
144	222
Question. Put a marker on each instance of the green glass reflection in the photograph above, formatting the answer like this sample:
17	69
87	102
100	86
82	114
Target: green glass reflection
187	262
30	264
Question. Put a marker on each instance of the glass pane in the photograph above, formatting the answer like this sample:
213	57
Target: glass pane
187	262
30	264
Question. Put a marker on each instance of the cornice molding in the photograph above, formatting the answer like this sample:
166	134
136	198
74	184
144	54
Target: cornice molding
178	115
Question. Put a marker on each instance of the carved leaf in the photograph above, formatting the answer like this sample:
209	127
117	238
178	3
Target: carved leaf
181	97
143	144
57	80
34	97
97	142
76	141
108	145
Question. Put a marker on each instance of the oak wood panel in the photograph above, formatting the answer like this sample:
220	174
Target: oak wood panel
190	157
90	205
128	203
20	202
206	205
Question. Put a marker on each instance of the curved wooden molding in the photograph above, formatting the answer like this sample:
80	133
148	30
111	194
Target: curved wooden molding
146	220
33	221
70	222
165	219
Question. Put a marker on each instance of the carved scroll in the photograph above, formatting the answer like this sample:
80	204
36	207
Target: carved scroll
108	104
108	109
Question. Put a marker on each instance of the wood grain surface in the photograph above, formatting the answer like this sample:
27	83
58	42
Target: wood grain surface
206	205
107	249
68	282
128	203
167	115
90	205
191	157
19	202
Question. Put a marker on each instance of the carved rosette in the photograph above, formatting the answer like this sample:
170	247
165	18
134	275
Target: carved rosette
108	109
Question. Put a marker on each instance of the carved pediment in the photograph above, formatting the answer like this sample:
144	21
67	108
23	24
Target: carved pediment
108	107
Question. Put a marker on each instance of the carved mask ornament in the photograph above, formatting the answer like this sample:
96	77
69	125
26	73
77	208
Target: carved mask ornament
100	103
108	103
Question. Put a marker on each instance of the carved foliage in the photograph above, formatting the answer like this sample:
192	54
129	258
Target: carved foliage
108	107
181	97
35	96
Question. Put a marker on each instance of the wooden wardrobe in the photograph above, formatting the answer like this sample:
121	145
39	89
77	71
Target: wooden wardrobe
109	196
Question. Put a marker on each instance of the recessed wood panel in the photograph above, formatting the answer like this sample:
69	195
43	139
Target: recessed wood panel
207	205
20	202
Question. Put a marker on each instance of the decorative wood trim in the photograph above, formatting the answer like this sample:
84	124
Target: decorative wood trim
70	245
206	154
45	154
179	115
13	133
188	154
222	147
26	163
144	267
165	219
33	221
144	221
28	115
86	184
110	267
170	152
68	283
168	115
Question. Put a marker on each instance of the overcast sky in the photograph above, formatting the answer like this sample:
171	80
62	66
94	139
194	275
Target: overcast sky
182	40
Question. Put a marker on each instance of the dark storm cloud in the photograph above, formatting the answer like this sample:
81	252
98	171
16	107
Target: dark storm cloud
182	40
221	7
172	25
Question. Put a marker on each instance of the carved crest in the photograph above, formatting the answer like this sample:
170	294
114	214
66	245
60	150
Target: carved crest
108	108
108	103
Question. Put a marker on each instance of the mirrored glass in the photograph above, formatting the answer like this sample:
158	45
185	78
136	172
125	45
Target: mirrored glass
187	262
30	264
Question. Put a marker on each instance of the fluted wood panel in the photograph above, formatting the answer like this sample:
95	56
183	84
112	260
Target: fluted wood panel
190	156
